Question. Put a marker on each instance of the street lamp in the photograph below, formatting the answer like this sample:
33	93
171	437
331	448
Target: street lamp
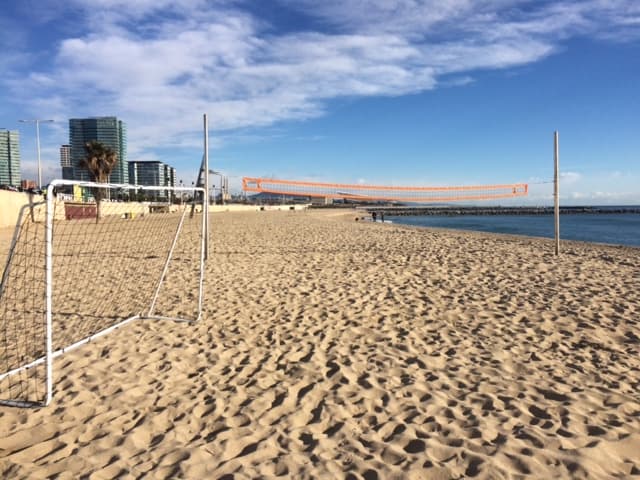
37	121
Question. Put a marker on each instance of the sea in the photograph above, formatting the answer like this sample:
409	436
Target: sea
610	228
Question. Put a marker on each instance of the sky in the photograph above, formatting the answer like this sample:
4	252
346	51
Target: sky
380	92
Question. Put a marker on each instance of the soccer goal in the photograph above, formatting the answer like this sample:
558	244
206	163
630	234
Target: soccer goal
78	268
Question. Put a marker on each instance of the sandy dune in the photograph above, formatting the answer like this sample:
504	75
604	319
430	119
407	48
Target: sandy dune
339	349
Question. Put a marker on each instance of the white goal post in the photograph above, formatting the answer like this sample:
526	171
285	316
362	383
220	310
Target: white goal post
77	269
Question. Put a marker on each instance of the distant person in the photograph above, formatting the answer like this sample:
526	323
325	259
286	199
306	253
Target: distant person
382	217
374	216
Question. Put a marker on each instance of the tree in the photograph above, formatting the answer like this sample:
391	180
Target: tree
99	162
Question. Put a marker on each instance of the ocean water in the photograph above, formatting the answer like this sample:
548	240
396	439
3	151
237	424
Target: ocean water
612	228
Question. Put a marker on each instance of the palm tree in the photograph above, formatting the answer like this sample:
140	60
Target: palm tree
99	162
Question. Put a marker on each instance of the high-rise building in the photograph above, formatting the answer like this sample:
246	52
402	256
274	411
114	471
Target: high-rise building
107	130
152	173
65	162
10	158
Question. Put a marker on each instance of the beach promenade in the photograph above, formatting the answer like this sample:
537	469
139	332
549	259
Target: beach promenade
331	348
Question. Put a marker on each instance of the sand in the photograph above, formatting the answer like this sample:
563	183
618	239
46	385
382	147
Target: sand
332	348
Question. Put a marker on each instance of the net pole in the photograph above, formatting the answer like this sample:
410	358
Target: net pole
203	248
205	206
49	291
556	192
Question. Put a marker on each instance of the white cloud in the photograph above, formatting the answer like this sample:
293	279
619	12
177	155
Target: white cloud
160	64
456	81
604	198
569	178
488	19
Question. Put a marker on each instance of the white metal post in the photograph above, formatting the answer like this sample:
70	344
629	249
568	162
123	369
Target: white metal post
166	264
38	150
203	249
205	210
556	192
49	291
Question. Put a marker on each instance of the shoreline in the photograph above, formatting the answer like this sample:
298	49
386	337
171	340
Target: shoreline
499	210
497	226
512	236
515	236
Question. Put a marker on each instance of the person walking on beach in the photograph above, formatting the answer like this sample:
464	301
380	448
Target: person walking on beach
373	216
382	217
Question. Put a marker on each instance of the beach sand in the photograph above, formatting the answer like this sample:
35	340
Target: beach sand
331	348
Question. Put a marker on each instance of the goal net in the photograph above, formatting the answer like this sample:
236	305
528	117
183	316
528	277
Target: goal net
76	269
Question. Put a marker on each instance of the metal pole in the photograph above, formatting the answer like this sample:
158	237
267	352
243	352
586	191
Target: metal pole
202	259
166	264
206	186
37	121
38	150
556	193
49	293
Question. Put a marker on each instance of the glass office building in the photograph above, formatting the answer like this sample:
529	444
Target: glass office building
65	162
153	173
10	158
107	130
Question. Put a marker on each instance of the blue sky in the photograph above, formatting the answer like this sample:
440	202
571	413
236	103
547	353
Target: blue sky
411	92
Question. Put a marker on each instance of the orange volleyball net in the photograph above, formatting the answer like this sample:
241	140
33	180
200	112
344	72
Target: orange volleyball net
384	193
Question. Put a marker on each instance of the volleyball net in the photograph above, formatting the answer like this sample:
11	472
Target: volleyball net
384	193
